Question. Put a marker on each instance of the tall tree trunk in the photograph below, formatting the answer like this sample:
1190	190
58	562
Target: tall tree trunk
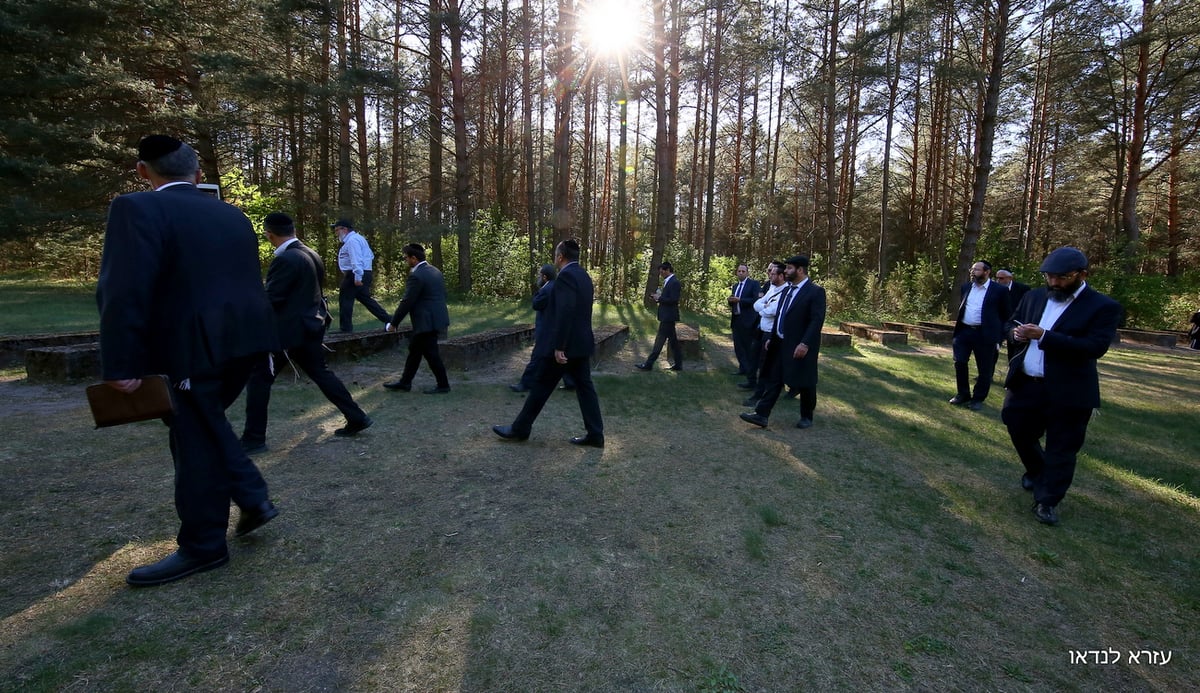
463	211
715	66
436	199
564	92
987	134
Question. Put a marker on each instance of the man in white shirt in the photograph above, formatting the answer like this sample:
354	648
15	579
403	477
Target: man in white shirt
766	307
1053	385
354	262
978	329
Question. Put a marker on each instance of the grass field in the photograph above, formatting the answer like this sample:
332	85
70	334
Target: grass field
889	547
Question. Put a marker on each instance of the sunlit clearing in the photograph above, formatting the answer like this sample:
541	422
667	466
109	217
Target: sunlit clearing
612	27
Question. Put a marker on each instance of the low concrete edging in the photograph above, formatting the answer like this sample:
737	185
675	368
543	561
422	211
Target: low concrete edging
884	337
925	333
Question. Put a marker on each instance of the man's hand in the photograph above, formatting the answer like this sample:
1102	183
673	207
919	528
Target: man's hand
358	282
389	327
801	351
560	356
126	386
1027	332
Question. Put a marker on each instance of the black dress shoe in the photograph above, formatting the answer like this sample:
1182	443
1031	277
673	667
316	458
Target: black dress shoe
253	448
518	388
568	388
1026	482
1046	514
174	567
253	518
959	400
676	367
439	390
792	394
746	386
353	428
754	418
589	441
398	385
737	373
804	423
974	405
643	366
507	433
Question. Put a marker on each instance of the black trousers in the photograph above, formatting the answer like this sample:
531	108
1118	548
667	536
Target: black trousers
210	467
534	367
1029	416
970	342
310	358
549	373
772	384
666	335
746	345
349	292
424	346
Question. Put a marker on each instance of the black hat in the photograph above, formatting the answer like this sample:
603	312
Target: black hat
154	147
1064	260
348	223
278	221
549	271
798	261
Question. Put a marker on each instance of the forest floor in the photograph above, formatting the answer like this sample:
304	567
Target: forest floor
889	547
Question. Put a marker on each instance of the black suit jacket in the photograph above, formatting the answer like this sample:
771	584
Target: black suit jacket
542	337
747	318
1016	292
802	323
180	288
1081	335
996	311
294	289
668	301
424	299
571	311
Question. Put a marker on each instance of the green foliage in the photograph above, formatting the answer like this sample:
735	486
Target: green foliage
720	681
1151	302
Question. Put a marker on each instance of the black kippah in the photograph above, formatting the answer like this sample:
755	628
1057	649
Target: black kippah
157	146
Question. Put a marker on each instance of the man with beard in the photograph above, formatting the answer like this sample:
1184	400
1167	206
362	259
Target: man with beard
792	345
978	330
1052	384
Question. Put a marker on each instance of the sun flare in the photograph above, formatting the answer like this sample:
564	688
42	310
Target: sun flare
612	27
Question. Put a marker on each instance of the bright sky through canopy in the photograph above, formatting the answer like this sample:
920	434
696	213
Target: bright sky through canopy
611	27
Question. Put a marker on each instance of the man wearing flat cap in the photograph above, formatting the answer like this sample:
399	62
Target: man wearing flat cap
792	345
1062	328
354	262
181	294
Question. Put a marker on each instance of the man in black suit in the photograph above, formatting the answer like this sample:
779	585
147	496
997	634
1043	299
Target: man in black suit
569	352
1016	289
180	293
541	345
425	300
1053	384
667	298
793	345
982	312
294	283
743	324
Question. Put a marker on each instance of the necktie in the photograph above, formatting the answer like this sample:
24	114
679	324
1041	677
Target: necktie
737	307
784	303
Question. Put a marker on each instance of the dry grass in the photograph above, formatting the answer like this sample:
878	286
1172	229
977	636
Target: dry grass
887	548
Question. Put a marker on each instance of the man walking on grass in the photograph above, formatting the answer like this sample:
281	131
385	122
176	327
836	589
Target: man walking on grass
793	345
180	293
569	352
294	283
1053	386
